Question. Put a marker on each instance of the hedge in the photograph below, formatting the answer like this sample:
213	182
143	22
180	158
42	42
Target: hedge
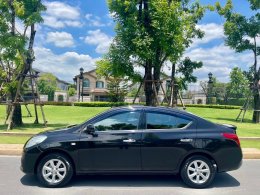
212	106
57	103
115	104
101	104
237	102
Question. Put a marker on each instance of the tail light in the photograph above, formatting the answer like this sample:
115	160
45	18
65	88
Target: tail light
231	136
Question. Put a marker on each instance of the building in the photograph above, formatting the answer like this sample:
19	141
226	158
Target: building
61	93
94	87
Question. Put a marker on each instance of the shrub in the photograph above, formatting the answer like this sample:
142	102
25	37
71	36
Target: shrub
58	103
233	101
101	104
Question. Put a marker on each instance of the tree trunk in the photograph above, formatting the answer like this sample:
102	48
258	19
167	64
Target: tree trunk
174	91
256	115
148	86
17	116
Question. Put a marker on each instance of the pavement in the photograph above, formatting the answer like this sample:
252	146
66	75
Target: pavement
16	149
245	180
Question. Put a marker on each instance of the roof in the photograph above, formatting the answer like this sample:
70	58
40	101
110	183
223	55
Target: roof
61	81
87	72
158	108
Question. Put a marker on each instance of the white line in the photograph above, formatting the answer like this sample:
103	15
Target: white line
10	156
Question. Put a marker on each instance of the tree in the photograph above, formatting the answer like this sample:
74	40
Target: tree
241	35
47	85
117	85
222	91
239	85
117	89
149	33
185	69
71	91
16	48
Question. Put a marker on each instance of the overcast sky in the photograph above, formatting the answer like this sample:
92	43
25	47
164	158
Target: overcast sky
77	33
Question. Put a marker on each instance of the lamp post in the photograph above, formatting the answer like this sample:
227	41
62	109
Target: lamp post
210	82
81	70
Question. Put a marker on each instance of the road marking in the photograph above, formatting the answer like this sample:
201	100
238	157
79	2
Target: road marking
10	156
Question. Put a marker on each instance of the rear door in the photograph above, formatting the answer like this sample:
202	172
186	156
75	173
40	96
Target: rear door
166	138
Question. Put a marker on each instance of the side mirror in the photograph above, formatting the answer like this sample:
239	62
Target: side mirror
90	129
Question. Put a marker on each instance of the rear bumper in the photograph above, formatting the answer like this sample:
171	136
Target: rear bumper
29	159
229	159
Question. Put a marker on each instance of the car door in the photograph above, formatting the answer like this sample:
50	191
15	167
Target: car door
115	144
166	138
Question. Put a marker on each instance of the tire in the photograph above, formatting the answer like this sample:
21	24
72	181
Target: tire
54	170
200	177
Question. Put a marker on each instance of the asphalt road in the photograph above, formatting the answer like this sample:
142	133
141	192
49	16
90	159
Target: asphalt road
246	180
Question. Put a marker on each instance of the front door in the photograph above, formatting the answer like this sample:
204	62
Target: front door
166	139
115	145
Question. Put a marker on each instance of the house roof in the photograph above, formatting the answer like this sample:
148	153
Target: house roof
87	72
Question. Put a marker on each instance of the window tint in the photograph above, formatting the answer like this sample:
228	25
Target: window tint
86	83
100	84
165	121
122	121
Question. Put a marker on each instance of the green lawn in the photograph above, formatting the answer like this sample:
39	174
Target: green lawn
57	116
250	144
61	116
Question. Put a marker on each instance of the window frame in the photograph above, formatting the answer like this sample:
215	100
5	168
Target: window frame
107	115
192	121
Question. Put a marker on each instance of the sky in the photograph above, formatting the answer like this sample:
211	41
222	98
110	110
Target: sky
77	33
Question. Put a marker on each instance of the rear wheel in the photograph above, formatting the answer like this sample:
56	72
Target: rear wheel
198	172
55	170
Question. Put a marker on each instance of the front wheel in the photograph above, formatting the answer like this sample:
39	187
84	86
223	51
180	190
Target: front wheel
198	172
55	170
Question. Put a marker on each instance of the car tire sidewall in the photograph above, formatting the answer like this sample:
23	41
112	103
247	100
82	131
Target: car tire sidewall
67	163
187	180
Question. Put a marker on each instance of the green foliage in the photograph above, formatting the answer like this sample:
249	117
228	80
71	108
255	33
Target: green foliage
117	89
255	4
150	33
186	68
234	101
100	104
47	85
239	85
72	91
58	103
117	86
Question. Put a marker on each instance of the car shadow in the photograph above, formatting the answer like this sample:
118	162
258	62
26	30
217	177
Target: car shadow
221	180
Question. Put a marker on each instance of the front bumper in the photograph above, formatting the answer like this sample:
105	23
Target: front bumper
29	160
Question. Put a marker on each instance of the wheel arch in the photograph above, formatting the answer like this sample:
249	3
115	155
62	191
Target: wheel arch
52	151
200	153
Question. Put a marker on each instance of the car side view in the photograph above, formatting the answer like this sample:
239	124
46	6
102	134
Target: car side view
135	140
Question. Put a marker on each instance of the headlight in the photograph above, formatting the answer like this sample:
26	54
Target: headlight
35	140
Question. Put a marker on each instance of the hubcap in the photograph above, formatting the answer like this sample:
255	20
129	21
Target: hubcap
198	171
54	171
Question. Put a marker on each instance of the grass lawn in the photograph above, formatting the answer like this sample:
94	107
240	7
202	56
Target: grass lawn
61	116
250	144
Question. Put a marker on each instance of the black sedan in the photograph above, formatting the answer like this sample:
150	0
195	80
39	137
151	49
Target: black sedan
135	140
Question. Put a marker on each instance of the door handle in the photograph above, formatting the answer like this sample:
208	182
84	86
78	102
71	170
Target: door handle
186	140
129	140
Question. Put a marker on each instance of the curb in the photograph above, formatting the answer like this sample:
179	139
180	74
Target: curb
17	134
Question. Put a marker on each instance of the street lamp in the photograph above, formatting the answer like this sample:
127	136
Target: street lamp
81	70
210	83
210	77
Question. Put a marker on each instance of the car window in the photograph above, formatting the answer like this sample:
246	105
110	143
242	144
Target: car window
122	121
165	121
